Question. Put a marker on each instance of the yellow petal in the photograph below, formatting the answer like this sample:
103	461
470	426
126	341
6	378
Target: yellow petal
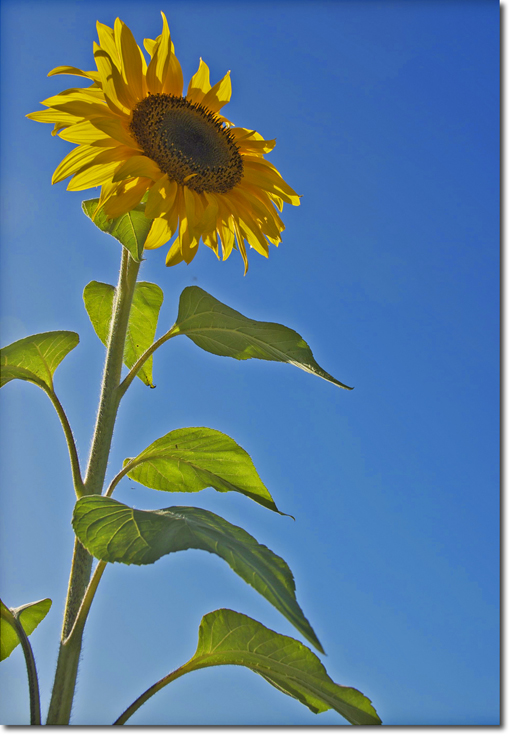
240	244
131	61
254	235
164	72
225	231
208	209
83	109
138	165
53	116
149	45
74	71
117	129
159	234
260	206
199	84
161	197
128	197
253	146
108	42
174	256
85	133
74	161
270	180
100	170
86	94
218	95
108	189
211	241
116	92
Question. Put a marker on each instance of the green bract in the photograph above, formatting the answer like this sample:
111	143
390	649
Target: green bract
130	230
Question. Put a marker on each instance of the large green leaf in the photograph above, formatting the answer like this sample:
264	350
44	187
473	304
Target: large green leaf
229	638
192	459
142	324
219	329
131	229
36	358
30	615
116	533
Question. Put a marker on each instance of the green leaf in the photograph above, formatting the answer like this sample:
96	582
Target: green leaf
229	638
131	229
30	615
142	324
192	459
116	533
37	357
220	330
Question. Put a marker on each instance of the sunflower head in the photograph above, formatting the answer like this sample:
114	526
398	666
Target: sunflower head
138	135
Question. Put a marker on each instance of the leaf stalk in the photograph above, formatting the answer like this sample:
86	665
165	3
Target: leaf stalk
35	704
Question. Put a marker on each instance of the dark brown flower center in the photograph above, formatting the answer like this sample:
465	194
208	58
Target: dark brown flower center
186	139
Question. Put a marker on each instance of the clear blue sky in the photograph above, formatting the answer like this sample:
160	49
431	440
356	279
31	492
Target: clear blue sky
386	116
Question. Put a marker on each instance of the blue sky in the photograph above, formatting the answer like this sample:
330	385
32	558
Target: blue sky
386	116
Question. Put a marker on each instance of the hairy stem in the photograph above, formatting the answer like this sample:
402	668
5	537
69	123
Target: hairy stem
173	332
73	455
153	690
71	639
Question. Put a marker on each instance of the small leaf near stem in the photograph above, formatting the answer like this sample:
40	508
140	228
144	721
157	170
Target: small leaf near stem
35	359
142	324
13	620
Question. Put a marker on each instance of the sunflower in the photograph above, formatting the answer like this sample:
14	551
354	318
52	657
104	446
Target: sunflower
141	139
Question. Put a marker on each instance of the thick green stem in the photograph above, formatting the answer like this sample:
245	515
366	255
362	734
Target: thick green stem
71	641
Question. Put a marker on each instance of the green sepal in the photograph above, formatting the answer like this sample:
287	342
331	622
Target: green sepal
190	460
229	638
116	533
30	615
130	230
142	324
36	358
219	329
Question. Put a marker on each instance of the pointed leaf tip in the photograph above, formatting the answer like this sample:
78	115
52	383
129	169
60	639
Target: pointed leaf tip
221	330
117	533
36	358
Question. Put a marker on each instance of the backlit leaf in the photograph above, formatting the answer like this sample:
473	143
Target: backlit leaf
36	358
130	230
116	533
220	330
30	615
142	324
229	638
196	458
